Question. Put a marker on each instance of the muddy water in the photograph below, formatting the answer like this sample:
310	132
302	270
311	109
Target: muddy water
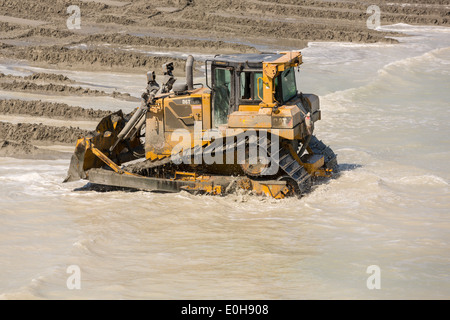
385	112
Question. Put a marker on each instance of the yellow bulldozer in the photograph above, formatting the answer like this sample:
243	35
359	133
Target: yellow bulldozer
246	126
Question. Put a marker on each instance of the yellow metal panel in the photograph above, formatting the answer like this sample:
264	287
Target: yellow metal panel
286	133
243	119
290	59
254	108
206	105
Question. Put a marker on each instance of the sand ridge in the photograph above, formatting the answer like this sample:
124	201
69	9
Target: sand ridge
37	108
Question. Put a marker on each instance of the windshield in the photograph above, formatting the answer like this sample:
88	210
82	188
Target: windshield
288	86
222	90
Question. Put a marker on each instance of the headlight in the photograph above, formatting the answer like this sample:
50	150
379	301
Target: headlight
282	122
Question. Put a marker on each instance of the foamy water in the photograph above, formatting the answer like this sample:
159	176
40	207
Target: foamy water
385	113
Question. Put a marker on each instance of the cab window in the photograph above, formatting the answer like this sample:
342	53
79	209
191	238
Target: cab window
248	86
222	90
288	85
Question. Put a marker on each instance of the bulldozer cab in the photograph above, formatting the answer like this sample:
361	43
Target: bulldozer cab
250	80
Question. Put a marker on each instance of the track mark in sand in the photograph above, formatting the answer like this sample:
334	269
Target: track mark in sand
39	132
90	59
27	22
61	89
212	46
41	76
109	2
82	124
167	9
53	110
25	150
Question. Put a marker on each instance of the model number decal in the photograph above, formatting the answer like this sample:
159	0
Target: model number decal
188	101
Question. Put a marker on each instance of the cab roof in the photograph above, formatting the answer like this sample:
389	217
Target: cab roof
250	60
249	57
254	60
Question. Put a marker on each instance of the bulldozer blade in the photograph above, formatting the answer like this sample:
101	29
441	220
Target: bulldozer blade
100	142
76	171
111	178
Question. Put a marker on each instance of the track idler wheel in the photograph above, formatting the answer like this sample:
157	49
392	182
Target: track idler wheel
254	170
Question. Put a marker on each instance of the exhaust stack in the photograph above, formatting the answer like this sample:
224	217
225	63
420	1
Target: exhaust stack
190	72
